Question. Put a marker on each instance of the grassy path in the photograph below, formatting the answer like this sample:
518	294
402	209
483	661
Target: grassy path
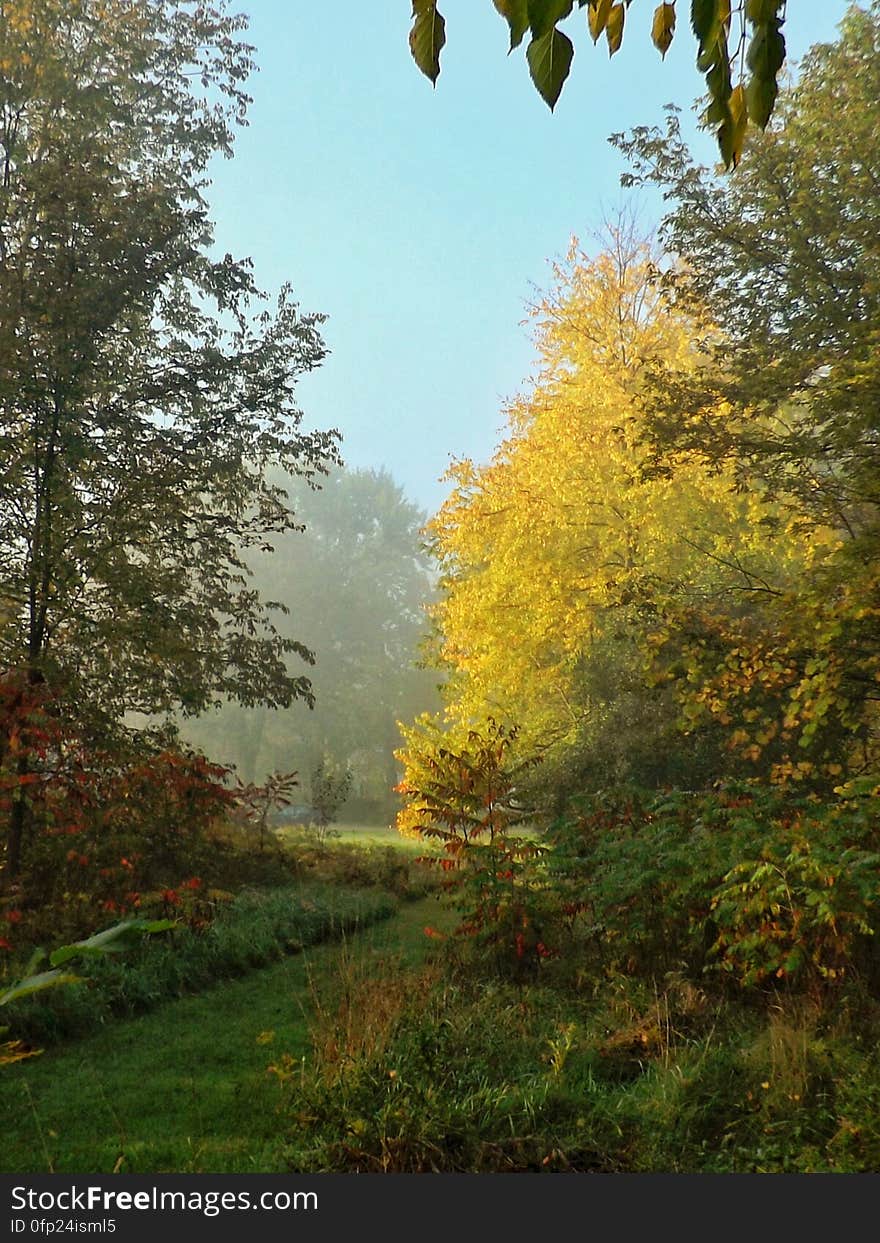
184	1088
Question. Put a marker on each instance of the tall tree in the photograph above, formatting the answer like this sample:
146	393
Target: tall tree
357	583
562	559
786	256
144	389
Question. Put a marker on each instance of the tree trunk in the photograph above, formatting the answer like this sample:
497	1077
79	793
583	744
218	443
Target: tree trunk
17	823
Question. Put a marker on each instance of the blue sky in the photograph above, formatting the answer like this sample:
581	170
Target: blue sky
421	221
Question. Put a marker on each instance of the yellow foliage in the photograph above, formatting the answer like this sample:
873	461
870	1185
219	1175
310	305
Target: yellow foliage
567	547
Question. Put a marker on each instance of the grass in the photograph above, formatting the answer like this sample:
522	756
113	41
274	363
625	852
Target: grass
461	1076
367	1055
382	1061
256	928
185	1088
379	835
353	834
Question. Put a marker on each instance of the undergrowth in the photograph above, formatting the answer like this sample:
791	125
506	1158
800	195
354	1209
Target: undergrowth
253	929
411	1071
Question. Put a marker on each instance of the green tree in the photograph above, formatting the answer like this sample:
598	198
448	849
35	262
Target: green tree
740	49
145	386
330	789
786	257
356	583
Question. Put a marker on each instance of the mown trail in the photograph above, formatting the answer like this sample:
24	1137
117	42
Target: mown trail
186	1088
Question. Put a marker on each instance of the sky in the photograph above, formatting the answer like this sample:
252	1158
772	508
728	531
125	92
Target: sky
422	221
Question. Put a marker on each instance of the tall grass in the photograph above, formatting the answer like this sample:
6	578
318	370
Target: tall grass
417	1072
254	929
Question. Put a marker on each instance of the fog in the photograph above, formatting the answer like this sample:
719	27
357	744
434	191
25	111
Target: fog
356	582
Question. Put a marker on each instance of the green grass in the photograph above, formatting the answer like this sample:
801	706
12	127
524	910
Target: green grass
256	928
483	1077
363	835
185	1088
389	1067
378	835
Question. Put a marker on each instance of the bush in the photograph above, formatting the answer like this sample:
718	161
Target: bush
749	881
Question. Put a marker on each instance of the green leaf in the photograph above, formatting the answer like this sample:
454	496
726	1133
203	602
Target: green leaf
705	21
427	37
718	82
36	984
516	14
663	27
67	952
544	14
766	53
37	958
597	17
550	60
765	58
614	28
733	128
709	57
760	12
111	940
760	97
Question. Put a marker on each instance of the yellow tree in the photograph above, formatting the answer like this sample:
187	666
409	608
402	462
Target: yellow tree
564	558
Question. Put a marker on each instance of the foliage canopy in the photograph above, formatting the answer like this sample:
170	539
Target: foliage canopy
136	423
145	386
565	558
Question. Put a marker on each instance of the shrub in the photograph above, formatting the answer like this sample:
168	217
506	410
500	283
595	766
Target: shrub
463	796
749	881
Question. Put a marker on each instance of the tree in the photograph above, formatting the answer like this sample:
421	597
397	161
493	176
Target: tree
356	583
562	561
330	789
742	82
144	390
786	257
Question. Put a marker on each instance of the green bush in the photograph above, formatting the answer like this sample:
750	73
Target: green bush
745	880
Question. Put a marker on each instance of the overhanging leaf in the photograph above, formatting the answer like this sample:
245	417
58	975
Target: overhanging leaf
704	21
762	11
760	97
765	58
550	60
614	28
516	14
597	17
663	27
766	52
545	14
427	37
732	135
